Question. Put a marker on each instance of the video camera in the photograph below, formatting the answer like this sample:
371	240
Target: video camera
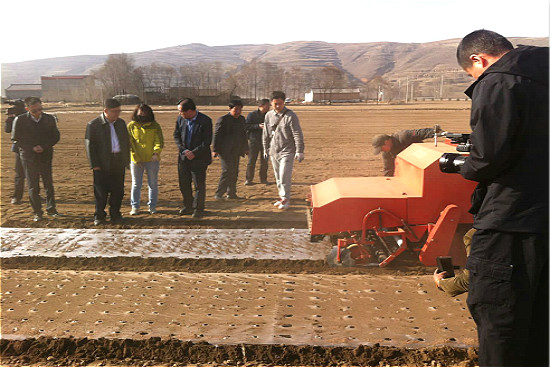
452	162
17	109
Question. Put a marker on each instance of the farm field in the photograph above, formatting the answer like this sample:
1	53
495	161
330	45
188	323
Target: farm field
241	286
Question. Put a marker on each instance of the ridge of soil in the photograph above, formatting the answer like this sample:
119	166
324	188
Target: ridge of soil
84	351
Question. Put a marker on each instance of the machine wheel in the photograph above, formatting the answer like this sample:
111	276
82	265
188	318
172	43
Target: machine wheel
345	256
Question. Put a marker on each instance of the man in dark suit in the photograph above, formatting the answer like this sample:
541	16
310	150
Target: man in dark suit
35	134
107	146
254	125
193	135
230	144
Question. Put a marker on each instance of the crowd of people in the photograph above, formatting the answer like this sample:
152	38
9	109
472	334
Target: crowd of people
112	146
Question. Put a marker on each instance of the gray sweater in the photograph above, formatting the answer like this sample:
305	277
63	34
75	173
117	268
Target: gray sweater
283	138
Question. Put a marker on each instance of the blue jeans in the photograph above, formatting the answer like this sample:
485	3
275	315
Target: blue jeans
152	169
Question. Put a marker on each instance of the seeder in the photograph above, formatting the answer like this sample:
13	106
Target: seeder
372	220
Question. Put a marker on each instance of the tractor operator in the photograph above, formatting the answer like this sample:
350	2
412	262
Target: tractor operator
392	145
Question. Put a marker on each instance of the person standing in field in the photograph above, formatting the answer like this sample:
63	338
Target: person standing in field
107	147
230	144
146	143
283	142
254	125
508	262
193	135
35	133
19	181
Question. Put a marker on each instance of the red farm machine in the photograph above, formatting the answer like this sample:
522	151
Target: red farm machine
372	220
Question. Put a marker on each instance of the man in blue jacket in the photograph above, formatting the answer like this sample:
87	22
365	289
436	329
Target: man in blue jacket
193	135
508	262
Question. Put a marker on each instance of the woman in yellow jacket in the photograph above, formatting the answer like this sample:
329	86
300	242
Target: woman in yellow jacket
146	143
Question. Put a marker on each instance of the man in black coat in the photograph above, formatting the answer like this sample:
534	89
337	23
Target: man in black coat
230	144
508	262
254	125
35	134
193	135
392	145
108	149
19	181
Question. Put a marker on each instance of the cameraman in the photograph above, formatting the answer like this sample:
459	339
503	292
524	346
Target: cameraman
508	262
19	186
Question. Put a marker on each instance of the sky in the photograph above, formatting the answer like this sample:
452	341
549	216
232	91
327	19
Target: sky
55	28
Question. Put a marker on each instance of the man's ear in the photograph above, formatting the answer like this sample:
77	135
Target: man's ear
479	60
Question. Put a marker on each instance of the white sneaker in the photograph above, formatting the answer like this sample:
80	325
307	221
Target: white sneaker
278	202
134	211
284	204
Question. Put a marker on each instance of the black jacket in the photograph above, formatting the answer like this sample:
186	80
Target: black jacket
201	138
98	142
252	126
509	157
400	141
27	134
230	136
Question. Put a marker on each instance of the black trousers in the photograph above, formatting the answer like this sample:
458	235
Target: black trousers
508	297
19	182
192	172
109	187
229	175
256	149
33	171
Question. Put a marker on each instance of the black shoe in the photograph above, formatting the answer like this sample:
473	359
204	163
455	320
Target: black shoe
248	183
116	218
265	182
15	201
234	197
186	211
37	217
98	222
54	213
218	197
198	214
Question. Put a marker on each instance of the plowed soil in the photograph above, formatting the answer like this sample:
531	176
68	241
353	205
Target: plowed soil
409	322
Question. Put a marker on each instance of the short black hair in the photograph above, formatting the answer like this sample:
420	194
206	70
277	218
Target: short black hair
235	102
278	95
481	41
29	101
187	104
263	101
111	103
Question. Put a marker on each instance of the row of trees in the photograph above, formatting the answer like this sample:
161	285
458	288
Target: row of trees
120	75
255	79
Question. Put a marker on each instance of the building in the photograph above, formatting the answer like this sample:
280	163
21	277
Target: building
319	95
22	91
69	88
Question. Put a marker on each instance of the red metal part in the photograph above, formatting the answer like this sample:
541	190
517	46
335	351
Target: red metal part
440	237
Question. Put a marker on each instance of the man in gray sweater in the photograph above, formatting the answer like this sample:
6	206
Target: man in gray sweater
283	142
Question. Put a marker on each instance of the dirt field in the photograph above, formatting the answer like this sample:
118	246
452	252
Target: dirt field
412	324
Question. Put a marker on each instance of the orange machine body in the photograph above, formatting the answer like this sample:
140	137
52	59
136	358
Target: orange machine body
418	195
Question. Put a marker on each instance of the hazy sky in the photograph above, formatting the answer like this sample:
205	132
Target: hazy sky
45	29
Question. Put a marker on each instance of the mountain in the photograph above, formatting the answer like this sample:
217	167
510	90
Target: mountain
363	61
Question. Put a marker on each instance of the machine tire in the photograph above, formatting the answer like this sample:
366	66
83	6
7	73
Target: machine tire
345	256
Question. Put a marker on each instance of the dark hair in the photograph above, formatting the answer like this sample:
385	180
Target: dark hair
235	102
149	115
29	101
187	104
481	41
263	101
278	95
111	103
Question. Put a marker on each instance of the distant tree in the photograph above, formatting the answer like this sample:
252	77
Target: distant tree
329	78
118	75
